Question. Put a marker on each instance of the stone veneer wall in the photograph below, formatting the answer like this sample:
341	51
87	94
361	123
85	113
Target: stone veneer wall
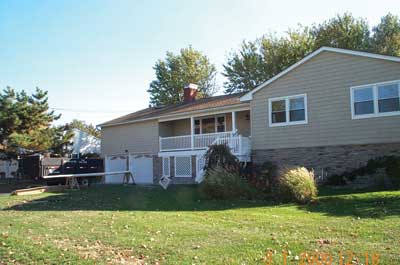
327	159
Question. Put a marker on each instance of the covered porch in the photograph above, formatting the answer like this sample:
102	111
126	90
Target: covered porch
199	132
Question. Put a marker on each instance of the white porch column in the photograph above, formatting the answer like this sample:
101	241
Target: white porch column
234	121
192	131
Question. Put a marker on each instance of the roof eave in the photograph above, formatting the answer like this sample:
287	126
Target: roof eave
178	115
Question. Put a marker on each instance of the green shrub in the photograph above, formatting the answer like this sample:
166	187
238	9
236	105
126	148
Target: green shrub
391	165
222	184
296	184
336	180
262	176
393	170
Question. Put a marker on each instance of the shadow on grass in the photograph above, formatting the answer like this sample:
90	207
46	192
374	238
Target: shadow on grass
332	202
361	203
130	198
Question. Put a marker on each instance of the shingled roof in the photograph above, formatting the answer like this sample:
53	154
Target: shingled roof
178	108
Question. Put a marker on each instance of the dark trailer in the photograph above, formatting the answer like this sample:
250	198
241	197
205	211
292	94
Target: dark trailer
36	166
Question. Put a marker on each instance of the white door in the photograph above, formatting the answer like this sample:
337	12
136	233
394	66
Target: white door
115	163
141	167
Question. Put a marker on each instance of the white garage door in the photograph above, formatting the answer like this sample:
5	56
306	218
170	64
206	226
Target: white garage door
115	163
141	167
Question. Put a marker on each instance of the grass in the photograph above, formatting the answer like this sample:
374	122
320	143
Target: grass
116	224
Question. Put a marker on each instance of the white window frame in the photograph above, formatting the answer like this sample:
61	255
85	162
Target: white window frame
164	159
375	101
215	121
183	176
287	111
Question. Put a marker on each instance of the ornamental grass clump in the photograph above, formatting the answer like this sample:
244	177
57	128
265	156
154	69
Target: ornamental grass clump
296	185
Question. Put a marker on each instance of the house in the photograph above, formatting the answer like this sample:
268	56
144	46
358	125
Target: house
331	111
84	143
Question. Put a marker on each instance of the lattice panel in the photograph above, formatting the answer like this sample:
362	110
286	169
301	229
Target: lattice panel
166	166
183	166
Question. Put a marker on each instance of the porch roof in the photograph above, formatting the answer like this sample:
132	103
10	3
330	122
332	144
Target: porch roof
151	113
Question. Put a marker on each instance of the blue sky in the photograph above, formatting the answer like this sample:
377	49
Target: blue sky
95	57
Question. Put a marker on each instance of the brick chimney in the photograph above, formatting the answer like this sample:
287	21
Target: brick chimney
189	93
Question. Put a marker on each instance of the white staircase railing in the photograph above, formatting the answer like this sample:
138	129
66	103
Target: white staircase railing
240	146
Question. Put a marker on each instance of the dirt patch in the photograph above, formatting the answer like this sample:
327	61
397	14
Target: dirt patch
99	251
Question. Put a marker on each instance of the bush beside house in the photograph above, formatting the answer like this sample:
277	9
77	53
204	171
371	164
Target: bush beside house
220	183
381	172
223	177
226	178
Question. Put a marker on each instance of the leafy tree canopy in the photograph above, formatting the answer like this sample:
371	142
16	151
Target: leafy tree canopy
259	60
386	38
176	71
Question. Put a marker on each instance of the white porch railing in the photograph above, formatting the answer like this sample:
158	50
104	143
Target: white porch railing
202	141
190	142
238	144
176	143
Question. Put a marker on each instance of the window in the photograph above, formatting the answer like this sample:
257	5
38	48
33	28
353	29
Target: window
278	111
388	98
374	100
289	110
363	101
165	167
210	125
197	128
221	124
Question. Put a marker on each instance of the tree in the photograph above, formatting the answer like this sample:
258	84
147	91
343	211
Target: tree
244	69
262	59
87	128
61	139
258	61
25	121
344	32
176	71
386	38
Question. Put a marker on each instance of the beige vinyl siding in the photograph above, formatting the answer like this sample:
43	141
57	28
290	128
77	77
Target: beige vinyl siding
181	127
140	137
243	124
326	79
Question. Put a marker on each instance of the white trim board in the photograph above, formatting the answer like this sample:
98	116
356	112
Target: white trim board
249	95
243	106
182	153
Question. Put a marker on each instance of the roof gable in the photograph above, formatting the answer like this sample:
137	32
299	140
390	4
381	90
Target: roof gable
249	95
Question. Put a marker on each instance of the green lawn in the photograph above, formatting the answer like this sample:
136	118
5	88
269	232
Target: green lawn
116	224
